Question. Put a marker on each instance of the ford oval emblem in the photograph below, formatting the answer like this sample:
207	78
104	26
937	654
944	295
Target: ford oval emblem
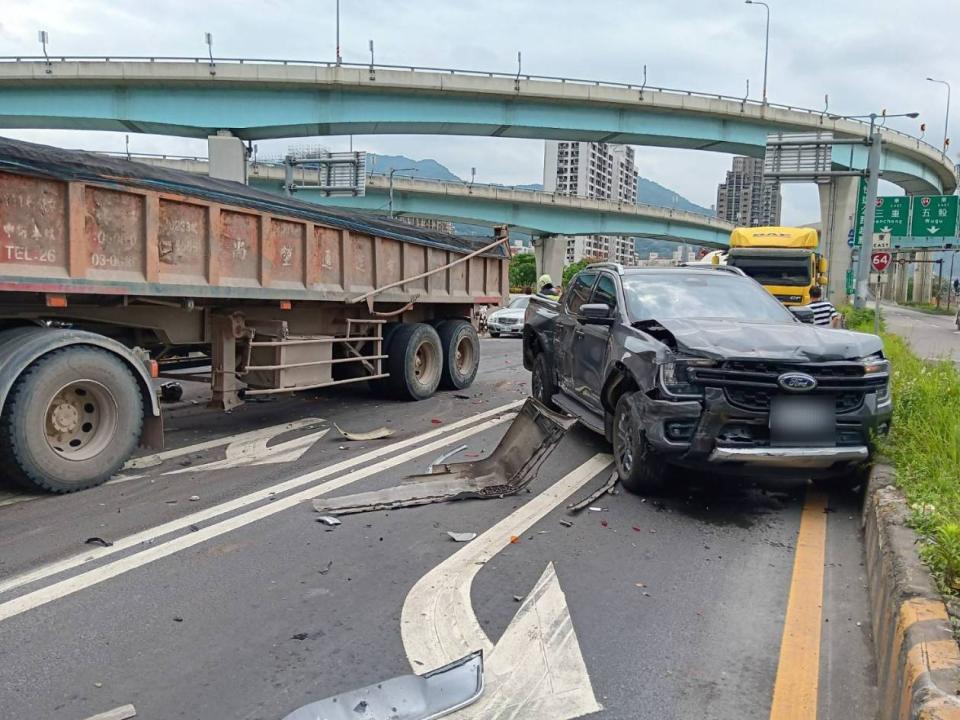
797	382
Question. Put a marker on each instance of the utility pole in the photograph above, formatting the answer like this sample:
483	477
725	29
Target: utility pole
869	212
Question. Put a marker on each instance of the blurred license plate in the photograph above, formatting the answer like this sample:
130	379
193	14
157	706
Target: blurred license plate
803	420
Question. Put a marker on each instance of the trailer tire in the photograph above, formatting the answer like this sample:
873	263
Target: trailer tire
461	353
71	420
415	362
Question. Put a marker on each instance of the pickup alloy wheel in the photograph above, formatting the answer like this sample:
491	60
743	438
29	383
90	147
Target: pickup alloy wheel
641	470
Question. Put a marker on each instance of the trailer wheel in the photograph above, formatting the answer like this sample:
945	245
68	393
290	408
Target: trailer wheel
461	353
415	362
71	420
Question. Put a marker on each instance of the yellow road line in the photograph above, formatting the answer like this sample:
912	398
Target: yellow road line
798	671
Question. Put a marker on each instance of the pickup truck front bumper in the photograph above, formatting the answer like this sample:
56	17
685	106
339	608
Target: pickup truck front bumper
795	457
715	433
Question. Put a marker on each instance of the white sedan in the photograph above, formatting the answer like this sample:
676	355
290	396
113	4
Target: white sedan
508	320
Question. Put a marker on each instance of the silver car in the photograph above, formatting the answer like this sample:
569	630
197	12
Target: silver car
508	320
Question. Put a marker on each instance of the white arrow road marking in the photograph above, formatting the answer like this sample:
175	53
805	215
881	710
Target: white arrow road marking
247	444
256	452
536	669
423	444
239	439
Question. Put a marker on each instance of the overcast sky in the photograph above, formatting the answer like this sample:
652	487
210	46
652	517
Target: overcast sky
866	54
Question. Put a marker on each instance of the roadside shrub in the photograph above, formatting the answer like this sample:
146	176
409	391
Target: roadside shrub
943	554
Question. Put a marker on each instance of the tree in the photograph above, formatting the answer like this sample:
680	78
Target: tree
523	270
570	270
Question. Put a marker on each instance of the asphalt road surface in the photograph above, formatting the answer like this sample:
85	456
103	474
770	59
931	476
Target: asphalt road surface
223	597
930	336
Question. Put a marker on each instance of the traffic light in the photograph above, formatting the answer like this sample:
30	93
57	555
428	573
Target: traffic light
956	286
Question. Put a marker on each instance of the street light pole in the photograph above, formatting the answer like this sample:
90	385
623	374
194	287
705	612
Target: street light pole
338	33
946	121
390	185
766	45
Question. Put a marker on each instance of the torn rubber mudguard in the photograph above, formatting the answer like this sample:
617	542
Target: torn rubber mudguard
408	697
531	437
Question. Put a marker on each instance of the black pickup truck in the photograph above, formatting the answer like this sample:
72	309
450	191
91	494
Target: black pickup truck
700	367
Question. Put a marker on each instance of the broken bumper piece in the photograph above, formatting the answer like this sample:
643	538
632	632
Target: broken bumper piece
531	437
408	697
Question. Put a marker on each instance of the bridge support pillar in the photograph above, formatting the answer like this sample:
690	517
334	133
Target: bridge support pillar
228	158
838	204
550	252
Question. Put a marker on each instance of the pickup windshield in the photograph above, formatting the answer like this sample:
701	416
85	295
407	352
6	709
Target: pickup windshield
703	295
775	271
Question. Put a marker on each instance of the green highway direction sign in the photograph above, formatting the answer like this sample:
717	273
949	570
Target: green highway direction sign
892	215
934	216
920	220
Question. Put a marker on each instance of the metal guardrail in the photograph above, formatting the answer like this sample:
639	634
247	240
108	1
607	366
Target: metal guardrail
447	71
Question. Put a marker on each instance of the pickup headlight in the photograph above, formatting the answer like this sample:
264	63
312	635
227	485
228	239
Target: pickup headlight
675	378
873	364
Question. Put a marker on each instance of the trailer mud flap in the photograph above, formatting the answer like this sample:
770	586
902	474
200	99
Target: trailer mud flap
529	440
408	697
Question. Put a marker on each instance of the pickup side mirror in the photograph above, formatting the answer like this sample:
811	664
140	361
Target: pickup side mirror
802	313
596	314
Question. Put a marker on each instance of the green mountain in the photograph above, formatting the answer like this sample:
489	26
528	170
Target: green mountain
426	169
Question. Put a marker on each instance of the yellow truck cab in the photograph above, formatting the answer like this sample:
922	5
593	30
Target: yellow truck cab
782	259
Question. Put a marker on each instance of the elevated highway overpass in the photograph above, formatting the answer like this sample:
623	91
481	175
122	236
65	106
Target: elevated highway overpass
259	99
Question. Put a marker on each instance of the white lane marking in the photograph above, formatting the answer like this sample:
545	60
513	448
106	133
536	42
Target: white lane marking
246	437
256	452
155	552
536	669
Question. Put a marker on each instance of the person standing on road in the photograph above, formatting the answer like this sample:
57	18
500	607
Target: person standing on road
824	313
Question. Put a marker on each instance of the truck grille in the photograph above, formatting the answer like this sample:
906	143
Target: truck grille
750	384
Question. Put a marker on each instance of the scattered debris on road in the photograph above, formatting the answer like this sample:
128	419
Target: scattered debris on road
326	569
98	541
461	536
171	391
566	523
529	440
177	618
194	498
518	598
408	697
329	520
436	421
378	434
124	712
514	539
604	523
607	487
440	458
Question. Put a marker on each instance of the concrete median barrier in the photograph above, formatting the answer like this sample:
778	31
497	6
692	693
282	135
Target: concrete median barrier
918	659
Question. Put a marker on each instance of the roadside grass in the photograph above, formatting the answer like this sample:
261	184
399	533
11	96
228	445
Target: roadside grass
924	448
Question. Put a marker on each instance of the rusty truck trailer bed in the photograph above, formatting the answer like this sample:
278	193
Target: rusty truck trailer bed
76	222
